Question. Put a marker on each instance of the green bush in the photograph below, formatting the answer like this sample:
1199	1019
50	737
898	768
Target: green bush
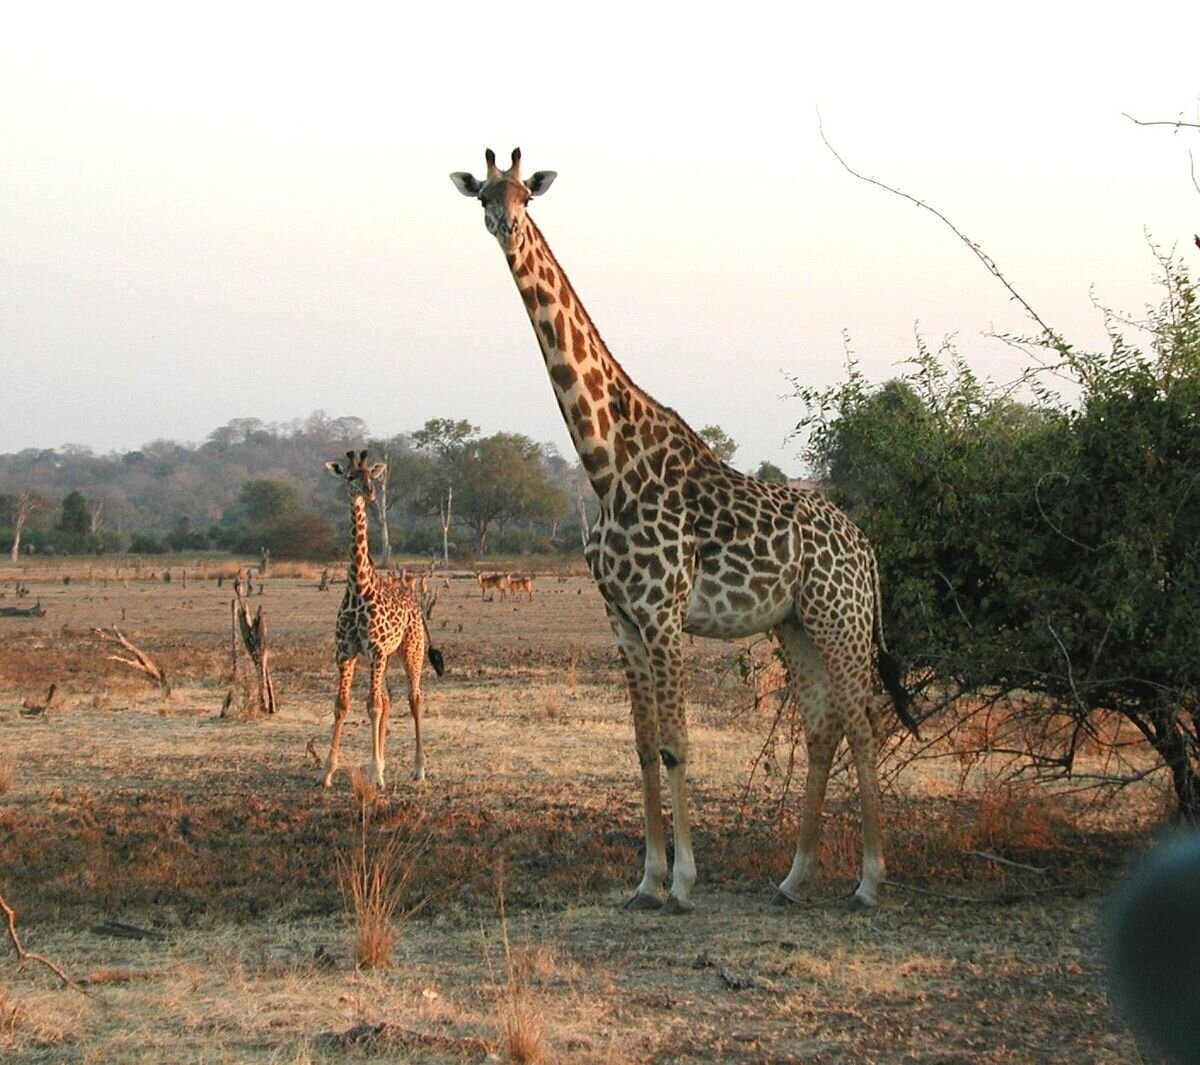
1039	547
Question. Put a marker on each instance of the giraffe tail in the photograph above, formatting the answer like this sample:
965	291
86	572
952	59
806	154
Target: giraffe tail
889	671
435	656
889	667
436	660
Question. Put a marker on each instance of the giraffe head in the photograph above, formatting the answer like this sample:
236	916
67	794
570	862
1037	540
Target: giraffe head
503	195
358	477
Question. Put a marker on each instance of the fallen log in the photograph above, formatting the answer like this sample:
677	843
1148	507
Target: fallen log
35	611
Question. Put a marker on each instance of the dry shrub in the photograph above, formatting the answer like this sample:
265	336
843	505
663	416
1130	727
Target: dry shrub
1011	817
373	878
8	765
303	571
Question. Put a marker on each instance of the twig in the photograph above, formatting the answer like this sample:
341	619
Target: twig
1178	123
936	894
27	955
1006	861
1051	338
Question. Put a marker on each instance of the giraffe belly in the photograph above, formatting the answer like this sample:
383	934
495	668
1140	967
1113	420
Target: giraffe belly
729	611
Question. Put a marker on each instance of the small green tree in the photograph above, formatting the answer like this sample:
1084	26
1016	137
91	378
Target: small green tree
723	445
262	502
75	521
501	478
769	472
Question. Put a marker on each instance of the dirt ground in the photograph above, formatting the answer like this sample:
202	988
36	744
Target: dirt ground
182	867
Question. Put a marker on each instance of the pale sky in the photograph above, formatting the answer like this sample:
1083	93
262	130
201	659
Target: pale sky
215	211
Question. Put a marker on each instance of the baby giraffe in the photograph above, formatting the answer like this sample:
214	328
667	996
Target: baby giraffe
377	617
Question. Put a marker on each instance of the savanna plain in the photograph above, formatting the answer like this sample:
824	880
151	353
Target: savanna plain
182	869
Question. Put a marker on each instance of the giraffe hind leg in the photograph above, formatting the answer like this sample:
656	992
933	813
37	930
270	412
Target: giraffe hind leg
836	701
414	659
808	685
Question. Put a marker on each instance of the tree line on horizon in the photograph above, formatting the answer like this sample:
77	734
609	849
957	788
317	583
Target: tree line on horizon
252	485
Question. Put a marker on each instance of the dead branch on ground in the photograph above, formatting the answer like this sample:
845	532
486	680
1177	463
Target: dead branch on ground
31	707
138	659
25	956
35	611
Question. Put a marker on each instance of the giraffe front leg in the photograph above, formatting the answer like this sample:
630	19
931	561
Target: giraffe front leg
673	749
652	889
340	709
377	702
414	662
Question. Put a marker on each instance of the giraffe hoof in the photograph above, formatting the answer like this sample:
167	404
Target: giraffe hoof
675	906
782	899
856	902
642	901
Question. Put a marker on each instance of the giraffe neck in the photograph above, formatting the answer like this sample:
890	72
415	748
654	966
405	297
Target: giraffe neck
611	420
362	570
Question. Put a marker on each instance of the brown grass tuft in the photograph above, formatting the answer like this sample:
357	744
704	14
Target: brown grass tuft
524	1025
522	1021
8	766
373	879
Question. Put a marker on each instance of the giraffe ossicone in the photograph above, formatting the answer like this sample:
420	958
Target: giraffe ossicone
685	544
377	618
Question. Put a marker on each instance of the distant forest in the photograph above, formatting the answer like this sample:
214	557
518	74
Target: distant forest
251	485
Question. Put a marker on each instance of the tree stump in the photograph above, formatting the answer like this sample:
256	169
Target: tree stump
253	641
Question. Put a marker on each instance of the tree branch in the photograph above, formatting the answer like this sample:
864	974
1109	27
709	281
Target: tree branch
24	955
1177	123
1050	337
139	661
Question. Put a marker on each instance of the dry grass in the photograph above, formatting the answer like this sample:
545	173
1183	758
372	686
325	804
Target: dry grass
521	1019
8	768
373	877
210	832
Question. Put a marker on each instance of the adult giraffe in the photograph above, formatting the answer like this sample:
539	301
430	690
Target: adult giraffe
685	544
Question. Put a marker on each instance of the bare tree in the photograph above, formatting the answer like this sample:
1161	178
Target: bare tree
27	502
445	508
381	510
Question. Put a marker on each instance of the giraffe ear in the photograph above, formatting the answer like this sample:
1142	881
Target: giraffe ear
541	181
466	183
335	468
378	471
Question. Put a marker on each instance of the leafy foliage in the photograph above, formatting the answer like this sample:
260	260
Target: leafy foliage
1039	548
723	445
